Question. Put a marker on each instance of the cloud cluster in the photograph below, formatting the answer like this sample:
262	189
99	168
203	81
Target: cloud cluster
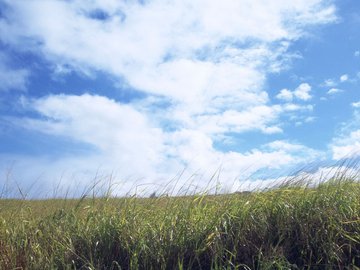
208	60
193	52
302	92
128	142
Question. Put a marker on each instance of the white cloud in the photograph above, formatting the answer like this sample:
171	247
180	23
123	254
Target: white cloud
345	147
357	53
329	83
257	118
186	58
334	91
347	143
310	119
118	131
285	94
293	147
344	78
126	141
303	91
311	178
180	31
197	152
291	107
356	104
333	83
323	174
185	61
346	151
208	59
11	78
304	120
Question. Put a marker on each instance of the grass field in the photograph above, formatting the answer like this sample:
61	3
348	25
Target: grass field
290	227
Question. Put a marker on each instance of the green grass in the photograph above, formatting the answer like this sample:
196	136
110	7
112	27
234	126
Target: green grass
291	227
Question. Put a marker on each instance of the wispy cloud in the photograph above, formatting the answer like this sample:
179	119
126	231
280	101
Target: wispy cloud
12	78
329	83
334	91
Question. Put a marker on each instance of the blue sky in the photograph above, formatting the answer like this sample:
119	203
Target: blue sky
141	90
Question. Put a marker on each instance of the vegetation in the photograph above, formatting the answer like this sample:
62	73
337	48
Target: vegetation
290	227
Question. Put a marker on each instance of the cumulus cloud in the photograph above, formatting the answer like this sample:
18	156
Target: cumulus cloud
344	78
285	94
302	92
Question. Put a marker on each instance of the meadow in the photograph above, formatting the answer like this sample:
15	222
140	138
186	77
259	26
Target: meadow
293	226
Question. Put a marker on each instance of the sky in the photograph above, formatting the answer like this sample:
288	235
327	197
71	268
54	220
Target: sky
172	95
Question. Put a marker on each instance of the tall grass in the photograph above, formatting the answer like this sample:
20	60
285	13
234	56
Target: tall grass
290	227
